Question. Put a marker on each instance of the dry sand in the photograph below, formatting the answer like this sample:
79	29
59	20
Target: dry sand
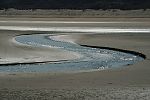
130	82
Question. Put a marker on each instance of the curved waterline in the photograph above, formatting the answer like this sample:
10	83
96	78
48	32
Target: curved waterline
93	58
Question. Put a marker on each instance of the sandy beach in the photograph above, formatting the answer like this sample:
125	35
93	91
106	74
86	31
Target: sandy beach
129	82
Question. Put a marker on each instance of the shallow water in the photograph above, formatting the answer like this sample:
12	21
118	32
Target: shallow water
91	58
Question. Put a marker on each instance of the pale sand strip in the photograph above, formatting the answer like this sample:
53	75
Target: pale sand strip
77	29
64	38
69	22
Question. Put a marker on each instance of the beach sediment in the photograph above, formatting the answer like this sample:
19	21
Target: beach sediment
124	80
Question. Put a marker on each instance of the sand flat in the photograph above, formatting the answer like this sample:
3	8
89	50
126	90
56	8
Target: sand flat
130	78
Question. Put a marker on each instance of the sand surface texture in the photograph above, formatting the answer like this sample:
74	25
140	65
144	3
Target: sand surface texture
130	82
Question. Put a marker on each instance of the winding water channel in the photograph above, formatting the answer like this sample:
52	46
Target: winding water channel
90	59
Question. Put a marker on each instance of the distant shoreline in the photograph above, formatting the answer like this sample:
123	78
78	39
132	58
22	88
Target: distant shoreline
67	13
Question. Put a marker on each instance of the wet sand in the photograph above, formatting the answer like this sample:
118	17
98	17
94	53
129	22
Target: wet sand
129	82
